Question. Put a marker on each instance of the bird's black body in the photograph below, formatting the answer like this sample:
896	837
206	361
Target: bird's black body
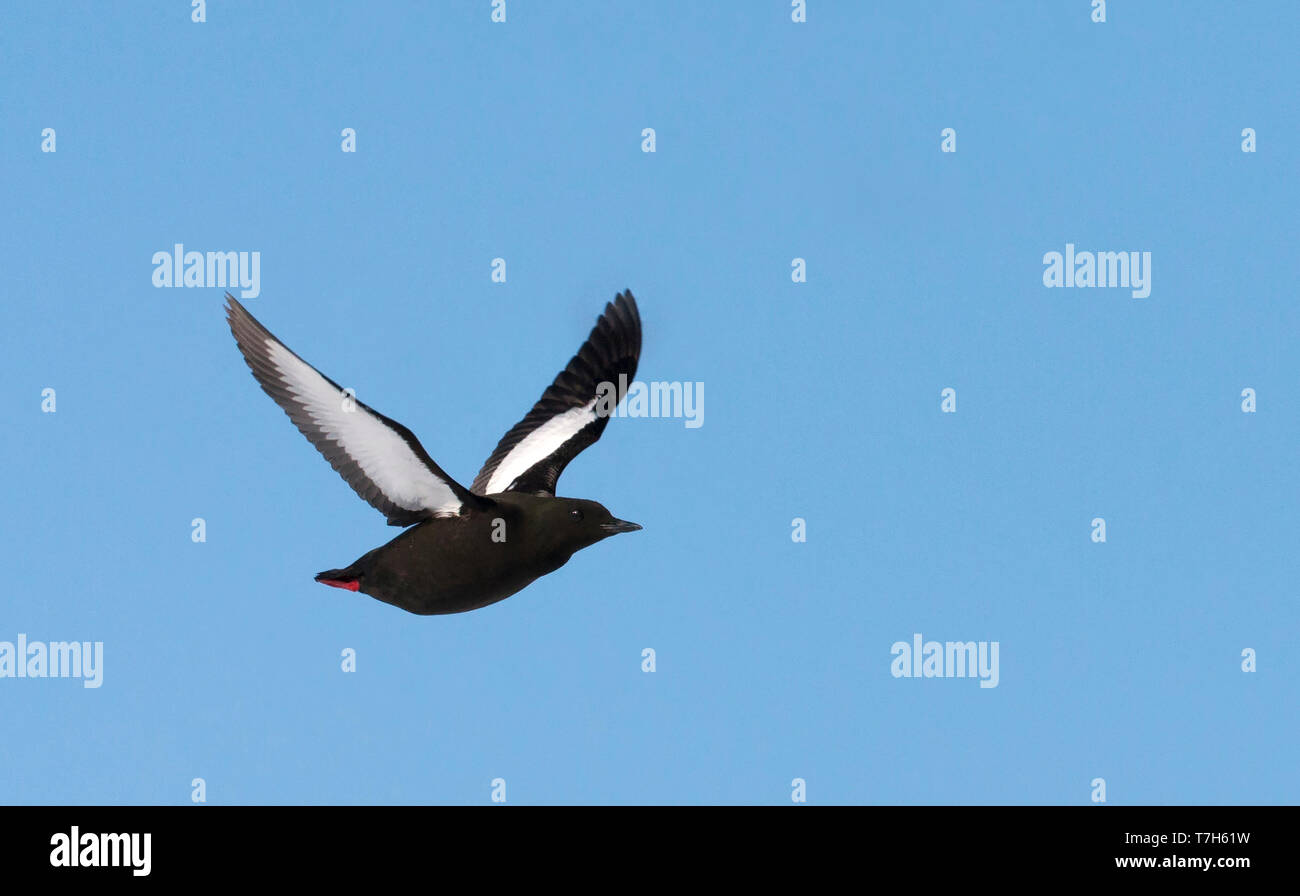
464	562
467	548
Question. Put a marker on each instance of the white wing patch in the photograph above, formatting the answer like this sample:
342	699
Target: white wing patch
540	444
383	455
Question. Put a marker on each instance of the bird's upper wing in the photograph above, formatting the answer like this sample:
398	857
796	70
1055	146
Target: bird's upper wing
568	417
380	458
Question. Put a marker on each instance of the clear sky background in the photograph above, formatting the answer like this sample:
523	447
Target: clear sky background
775	140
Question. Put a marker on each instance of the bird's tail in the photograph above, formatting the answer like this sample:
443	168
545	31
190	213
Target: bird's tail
340	578
350	577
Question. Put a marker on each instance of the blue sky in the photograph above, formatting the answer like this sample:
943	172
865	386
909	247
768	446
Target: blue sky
774	141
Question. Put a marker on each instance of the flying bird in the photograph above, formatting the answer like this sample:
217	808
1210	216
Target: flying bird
466	547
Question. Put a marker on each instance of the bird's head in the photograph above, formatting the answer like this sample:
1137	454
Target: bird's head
584	523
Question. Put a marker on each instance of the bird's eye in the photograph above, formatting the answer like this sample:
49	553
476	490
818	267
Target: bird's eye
576	515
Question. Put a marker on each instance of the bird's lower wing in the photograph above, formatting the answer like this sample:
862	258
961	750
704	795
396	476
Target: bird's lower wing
380	458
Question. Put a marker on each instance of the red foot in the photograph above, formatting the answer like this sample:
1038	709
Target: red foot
349	585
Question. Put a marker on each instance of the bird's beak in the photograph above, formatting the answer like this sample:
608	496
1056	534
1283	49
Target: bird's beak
616	526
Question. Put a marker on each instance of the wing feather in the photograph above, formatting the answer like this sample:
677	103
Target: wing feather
573	411
380	458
